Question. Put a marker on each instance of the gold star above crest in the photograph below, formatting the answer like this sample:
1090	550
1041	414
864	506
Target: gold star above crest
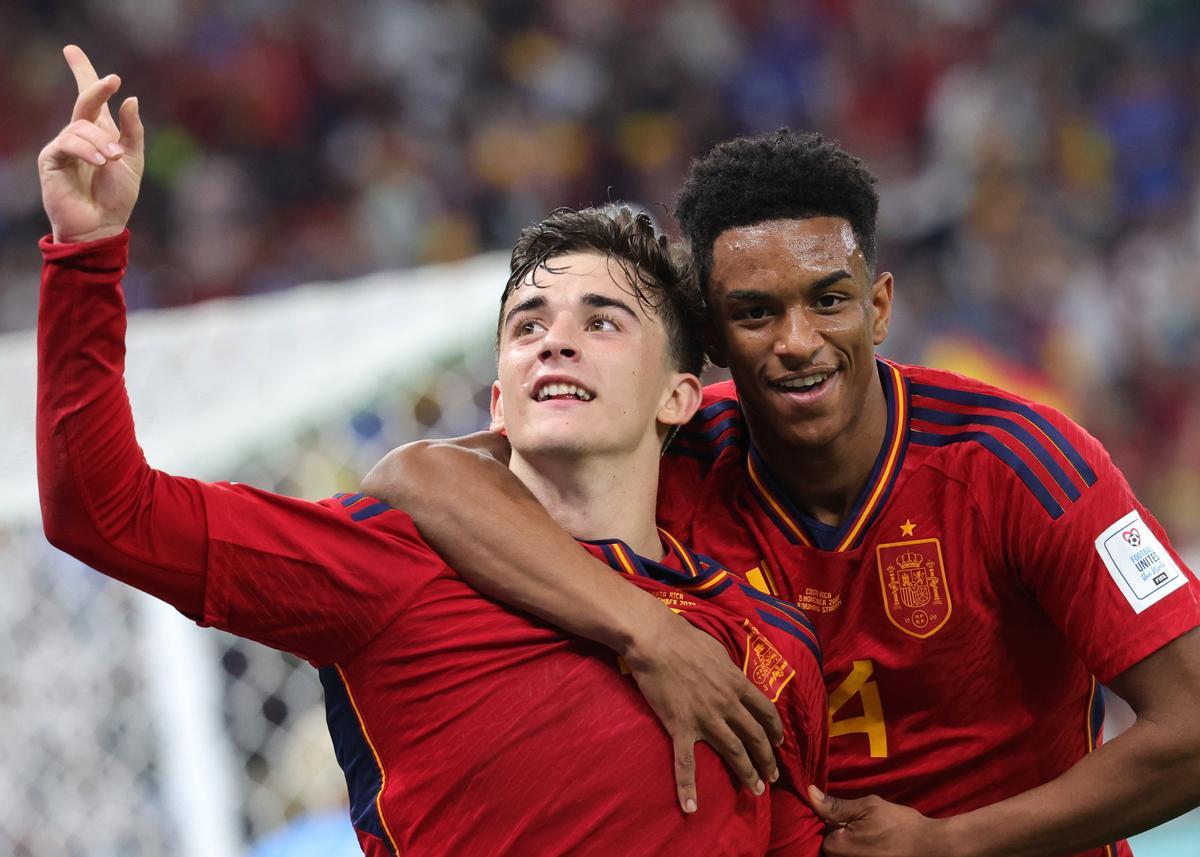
906	529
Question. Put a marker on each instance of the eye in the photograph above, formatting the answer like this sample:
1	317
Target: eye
527	327
602	323
830	300
752	313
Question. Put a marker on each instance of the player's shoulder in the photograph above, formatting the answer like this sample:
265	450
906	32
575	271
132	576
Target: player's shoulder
977	428
376	515
717	426
783	622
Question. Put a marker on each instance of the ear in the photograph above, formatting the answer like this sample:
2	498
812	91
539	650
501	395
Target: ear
497	408
681	401
713	346
881	302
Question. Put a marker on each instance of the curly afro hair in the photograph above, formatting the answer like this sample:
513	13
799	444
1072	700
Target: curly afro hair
749	180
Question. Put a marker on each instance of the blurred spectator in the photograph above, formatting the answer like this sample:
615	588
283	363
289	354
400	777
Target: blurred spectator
1038	160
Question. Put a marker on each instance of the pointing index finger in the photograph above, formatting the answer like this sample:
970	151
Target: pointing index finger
81	67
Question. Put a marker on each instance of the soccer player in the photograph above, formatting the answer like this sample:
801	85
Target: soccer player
974	562
462	726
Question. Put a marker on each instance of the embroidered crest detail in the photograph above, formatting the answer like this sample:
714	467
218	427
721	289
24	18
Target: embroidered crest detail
916	593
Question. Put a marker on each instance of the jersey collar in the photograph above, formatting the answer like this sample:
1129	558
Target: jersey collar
679	566
798	528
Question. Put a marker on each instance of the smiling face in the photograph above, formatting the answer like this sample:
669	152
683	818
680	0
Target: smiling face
583	367
796	317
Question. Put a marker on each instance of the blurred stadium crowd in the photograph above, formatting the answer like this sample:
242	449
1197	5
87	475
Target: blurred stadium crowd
1038	159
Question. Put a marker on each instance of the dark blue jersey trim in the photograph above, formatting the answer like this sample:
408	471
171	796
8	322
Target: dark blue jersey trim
1039	450
364	779
350	499
985	400
371	511
712	432
783	625
779	604
706	453
709	411
1002	452
1097	714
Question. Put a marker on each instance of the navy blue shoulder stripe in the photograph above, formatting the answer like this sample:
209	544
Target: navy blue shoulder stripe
707	453
999	403
349	500
783	625
712	432
709	411
990	443
377	508
1027	439
779	604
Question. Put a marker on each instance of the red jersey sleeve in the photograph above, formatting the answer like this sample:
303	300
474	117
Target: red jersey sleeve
1095	559
318	580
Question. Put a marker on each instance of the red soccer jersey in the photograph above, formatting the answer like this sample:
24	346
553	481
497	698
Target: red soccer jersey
995	567
462	726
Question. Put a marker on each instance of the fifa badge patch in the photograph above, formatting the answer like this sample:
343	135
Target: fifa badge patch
916	593
1140	566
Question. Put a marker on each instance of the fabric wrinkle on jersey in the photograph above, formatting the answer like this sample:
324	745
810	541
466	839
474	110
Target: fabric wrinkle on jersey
965	612
462	726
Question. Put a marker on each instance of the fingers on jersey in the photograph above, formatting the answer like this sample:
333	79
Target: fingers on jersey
754	737
685	771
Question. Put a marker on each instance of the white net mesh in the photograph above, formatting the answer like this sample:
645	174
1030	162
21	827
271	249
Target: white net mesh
299	392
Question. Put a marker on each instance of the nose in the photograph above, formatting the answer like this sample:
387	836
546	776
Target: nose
799	339
559	341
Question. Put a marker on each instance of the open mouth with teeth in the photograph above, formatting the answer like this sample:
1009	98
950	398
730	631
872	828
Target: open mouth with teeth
563	391
806	384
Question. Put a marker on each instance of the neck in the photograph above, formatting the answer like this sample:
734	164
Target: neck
598	497
825	481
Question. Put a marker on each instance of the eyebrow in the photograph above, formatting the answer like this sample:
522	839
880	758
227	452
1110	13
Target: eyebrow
756	295
605	302
536	302
530	303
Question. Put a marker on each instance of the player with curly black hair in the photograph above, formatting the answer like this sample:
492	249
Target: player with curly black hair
974	563
780	176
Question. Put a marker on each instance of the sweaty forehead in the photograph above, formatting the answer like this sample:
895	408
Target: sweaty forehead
816	244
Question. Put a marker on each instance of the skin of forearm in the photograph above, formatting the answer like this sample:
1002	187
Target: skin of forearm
511	542
1138	780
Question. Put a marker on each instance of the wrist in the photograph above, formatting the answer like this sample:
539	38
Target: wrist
953	837
98	234
638	633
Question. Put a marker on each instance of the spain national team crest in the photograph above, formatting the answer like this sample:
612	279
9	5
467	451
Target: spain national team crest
916	594
765	665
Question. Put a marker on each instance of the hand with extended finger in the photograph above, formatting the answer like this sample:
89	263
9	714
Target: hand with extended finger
90	173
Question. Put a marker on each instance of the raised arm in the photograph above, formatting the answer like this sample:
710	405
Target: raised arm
517	554
300	576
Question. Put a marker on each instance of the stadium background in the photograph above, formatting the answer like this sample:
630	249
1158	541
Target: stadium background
1038	167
